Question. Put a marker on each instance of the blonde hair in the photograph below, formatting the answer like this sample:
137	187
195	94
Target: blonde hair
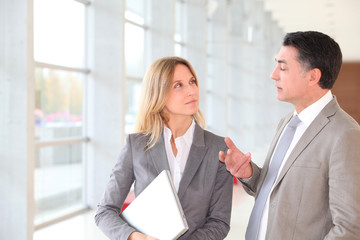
154	94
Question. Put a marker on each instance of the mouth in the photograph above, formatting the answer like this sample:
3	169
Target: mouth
191	102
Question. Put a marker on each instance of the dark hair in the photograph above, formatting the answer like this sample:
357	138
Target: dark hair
317	50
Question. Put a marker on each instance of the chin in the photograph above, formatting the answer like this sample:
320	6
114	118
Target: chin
280	97
192	113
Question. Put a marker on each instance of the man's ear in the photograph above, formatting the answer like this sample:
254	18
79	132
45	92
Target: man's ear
315	75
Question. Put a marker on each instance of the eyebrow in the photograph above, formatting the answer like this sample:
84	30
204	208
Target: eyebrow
280	61
176	81
180	80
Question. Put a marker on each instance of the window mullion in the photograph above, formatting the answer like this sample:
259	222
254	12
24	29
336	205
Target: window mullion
59	67
63	141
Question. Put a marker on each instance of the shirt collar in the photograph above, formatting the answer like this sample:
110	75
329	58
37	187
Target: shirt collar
188	136
310	113
167	134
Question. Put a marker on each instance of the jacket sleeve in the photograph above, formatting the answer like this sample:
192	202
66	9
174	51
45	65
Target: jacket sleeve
107	215
251	185
344	191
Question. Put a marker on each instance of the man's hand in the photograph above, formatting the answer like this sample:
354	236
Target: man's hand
237	163
139	236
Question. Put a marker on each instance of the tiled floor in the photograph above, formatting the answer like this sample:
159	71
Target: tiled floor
82	227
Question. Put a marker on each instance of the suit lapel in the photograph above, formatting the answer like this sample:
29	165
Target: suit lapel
158	155
196	155
311	132
280	129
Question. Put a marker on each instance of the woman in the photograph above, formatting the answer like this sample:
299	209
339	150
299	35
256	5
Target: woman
170	136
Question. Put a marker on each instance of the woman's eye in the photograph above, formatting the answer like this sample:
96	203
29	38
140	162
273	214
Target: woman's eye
178	85
193	81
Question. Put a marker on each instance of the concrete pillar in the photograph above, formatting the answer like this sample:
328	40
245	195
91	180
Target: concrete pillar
16	120
105	93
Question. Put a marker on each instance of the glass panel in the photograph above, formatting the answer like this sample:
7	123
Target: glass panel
134	18
59	30
58	181
216	114
177	49
58	104
134	50
133	89
179	21
135	11
216	76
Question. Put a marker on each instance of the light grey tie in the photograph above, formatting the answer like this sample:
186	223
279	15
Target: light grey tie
285	141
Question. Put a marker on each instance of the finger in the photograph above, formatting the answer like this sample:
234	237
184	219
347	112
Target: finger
229	160
222	156
245	171
245	161
235	169
229	143
240	168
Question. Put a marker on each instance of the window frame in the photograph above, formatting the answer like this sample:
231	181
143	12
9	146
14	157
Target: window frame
84	139
128	78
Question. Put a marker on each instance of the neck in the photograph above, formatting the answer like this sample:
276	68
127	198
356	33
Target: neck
179	126
310	99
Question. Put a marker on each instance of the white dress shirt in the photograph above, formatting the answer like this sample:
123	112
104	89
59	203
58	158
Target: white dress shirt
183	145
306	117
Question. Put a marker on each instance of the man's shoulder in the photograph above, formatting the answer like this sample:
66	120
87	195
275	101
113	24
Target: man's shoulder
343	121
338	117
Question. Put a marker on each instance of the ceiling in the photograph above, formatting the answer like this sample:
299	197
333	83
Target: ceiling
338	19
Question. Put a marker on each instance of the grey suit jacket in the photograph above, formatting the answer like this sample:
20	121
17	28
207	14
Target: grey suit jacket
317	194
205	190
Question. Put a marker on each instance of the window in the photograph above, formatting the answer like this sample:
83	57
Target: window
135	31
179	35
60	83
217	69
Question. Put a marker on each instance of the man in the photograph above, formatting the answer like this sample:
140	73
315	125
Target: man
311	188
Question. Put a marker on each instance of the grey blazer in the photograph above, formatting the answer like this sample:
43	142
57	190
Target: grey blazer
317	194
205	190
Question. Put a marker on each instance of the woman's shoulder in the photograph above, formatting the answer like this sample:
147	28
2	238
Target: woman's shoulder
137	139
136	135
212	138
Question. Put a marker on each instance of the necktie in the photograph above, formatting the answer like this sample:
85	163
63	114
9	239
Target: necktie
256	214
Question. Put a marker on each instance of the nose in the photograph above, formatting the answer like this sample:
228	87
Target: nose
191	88
275	74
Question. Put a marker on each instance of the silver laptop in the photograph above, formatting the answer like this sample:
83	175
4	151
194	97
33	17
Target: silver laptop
157	211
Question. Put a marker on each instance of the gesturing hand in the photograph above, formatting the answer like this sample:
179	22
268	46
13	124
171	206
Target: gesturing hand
139	236
237	163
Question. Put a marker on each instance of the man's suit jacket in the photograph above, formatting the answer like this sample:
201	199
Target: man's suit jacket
205	190
317	194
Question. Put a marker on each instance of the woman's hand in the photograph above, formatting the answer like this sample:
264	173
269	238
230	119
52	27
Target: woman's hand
139	236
